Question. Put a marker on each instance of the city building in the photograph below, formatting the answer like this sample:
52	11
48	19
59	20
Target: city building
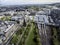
41	19
7	29
55	15
18	18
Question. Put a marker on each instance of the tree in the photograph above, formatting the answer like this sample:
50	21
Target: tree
24	23
15	39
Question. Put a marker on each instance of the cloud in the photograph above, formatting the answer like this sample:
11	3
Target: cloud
10	2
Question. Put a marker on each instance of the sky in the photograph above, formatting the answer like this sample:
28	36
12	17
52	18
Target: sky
19	2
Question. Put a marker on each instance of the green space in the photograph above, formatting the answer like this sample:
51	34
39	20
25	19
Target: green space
27	35
29	40
33	38
6	18
55	37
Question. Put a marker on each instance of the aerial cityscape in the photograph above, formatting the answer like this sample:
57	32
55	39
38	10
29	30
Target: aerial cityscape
30	24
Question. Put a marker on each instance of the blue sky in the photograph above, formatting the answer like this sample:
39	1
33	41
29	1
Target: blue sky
13	2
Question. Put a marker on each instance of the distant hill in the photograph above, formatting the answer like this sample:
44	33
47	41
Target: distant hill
55	4
28	5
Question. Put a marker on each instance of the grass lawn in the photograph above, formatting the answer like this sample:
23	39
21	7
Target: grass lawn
55	40
6	18
29	40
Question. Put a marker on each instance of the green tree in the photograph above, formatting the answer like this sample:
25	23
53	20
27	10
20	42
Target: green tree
15	39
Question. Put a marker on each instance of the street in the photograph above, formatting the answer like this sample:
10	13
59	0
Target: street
44	32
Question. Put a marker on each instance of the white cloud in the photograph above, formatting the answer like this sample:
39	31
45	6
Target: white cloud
8	2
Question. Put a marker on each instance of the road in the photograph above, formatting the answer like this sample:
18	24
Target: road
44	32
9	38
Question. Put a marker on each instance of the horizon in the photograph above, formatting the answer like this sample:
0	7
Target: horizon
22	2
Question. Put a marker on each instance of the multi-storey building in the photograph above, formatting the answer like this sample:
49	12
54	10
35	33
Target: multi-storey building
7	29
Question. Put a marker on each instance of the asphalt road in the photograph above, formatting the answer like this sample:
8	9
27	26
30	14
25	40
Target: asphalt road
44	32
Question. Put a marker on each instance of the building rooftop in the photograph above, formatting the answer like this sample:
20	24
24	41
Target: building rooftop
5	24
41	13
17	17
41	18
55	15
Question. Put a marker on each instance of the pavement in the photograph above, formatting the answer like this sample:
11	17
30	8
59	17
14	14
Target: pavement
44	32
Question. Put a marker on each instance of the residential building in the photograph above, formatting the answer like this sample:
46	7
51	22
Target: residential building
19	18
7	29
